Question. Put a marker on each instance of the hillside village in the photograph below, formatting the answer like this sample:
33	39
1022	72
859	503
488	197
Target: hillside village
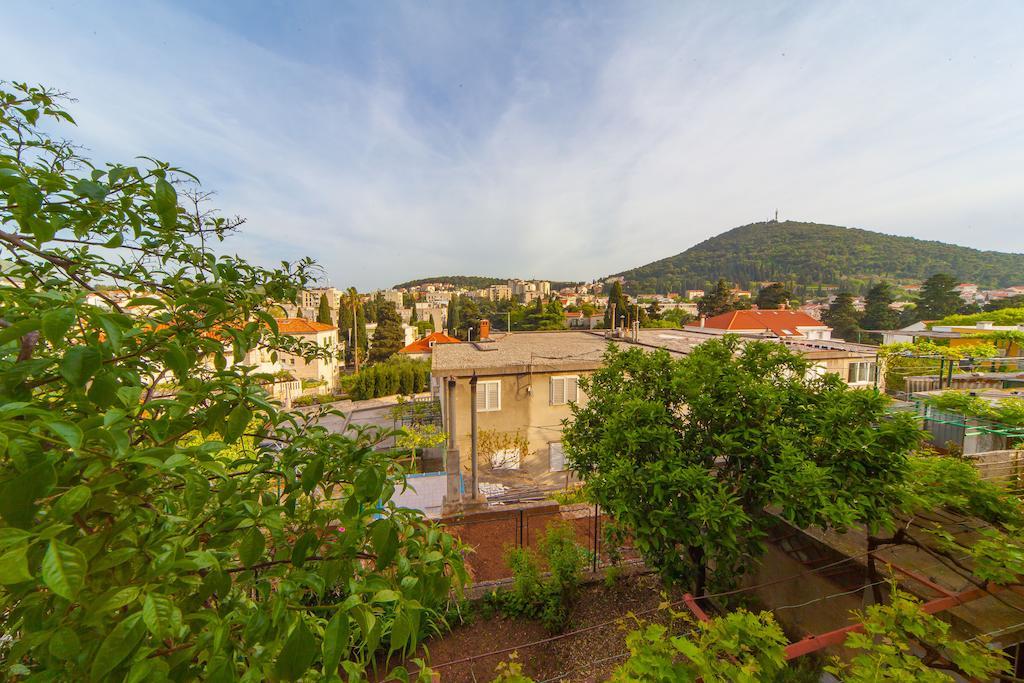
791	453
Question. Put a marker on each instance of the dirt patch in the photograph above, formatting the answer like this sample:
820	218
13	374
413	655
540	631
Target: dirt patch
586	656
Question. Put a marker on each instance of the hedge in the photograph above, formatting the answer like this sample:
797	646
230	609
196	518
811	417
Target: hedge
396	376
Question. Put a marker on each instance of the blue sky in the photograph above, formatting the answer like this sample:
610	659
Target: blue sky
546	139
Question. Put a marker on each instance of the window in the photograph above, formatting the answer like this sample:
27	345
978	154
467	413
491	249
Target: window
488	396
862	371
556	457
564	390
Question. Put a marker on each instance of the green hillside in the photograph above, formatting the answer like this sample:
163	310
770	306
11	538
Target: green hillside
811	253
472	281
469	281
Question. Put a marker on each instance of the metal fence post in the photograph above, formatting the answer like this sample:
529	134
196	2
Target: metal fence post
597	535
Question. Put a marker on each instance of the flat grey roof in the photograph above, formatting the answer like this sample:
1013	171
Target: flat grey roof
584	349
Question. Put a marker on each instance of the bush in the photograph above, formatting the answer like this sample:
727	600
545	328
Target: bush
547	599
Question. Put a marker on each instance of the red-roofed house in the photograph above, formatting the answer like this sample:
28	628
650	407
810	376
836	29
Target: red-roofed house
320	334
423	348
782	323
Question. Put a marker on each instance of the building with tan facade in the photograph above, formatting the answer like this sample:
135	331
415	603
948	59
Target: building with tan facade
324	336
526	381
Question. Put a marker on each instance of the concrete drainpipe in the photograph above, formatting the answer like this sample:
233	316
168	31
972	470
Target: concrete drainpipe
473	431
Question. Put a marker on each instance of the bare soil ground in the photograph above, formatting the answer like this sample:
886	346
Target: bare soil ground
587	656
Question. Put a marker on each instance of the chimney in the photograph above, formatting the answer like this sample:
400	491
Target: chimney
485	329
702	321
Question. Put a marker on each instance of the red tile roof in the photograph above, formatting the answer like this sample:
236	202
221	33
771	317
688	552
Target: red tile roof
782	322
424	345
302	326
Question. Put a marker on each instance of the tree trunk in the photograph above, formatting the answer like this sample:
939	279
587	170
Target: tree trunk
870	571
700	563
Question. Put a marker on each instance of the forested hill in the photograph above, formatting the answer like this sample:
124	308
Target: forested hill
471	281
811	253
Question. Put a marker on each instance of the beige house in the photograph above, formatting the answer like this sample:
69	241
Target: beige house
525	383
322	335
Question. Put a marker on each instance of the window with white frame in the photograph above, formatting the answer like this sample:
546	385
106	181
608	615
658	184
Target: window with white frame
564	389
488	396
861	372
556	457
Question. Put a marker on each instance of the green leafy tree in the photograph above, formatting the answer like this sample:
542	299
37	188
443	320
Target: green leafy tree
654	310
1016	301
878	312
133	544
389	336
842	317
775	295
323	314
719	299
938	298
663	447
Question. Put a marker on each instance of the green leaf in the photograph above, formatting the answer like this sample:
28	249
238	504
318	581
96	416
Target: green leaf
64	569
14	566
18	329
18	495
335	645
72	501
385	541
251	549
162	618
297	654
302	547
57	323
401	629
165	203
79	364
116	647
67	431
90	189
312	475
64	644
367	485
238	420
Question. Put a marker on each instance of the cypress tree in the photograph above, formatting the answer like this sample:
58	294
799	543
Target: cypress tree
720	299
323	315
938	298
389	337
877	312
454	317
842	317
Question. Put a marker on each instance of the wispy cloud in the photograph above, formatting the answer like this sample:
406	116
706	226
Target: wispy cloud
557	141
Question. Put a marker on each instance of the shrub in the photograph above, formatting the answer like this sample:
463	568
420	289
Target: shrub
547	599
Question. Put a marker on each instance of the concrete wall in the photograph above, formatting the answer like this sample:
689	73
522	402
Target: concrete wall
425	493
526	407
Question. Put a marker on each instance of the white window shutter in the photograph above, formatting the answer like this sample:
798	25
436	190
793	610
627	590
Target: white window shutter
495	404
556	457
572	388
481	397
557	391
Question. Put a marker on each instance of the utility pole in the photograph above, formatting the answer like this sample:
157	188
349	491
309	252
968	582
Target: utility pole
509	326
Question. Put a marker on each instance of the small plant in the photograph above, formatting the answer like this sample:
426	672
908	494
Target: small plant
572	495
611	575
545	598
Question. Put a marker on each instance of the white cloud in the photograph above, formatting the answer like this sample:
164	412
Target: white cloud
566	145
